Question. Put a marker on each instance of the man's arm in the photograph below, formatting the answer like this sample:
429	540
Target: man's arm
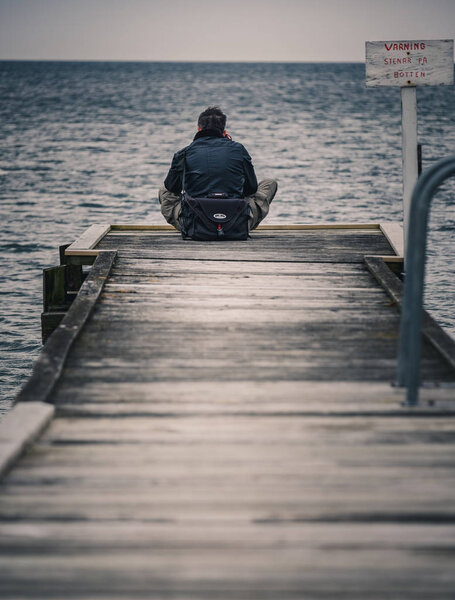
251	183
173	181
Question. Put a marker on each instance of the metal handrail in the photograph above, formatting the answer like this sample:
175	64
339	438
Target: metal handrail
408	370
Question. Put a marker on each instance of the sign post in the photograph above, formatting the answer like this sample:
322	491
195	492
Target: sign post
408	149
408	64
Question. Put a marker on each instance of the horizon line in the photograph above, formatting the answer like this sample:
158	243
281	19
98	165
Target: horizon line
172	61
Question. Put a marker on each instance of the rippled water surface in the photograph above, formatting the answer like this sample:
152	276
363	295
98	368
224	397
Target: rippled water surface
85	143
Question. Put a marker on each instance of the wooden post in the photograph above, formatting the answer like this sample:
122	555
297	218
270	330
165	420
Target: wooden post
60	287
409	151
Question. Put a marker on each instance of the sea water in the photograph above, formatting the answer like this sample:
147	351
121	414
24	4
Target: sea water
91	142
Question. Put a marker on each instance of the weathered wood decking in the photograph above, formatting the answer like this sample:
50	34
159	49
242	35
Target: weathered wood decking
225	428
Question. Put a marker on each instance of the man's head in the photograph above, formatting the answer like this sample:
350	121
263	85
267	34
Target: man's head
212	118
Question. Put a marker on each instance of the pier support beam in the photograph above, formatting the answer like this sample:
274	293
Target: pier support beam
409	150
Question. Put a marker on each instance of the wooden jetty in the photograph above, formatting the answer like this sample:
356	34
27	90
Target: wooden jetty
217	421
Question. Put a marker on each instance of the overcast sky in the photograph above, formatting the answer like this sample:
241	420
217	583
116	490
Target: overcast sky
231	30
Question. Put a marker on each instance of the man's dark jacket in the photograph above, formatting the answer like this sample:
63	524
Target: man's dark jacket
213	163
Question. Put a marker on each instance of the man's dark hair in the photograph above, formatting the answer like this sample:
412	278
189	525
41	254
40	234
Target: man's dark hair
212	118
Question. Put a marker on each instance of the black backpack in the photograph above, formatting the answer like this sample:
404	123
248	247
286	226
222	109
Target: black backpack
216	217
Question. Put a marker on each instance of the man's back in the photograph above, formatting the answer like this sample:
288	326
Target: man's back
212	163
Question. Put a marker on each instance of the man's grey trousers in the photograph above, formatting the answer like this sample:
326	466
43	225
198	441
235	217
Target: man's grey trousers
259	203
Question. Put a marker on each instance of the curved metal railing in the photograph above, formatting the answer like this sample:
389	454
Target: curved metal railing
408	371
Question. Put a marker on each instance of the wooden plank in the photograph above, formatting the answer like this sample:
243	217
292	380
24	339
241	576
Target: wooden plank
49	365
266	235
89	536
19	429
353	431
431	330
214	500
89	239
125	288
317	226
78	406
394	234
277	227
147	279
247	397
217	504
239	574
50	456
94	400
116	227
174	267
87	257
286	472
306	368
